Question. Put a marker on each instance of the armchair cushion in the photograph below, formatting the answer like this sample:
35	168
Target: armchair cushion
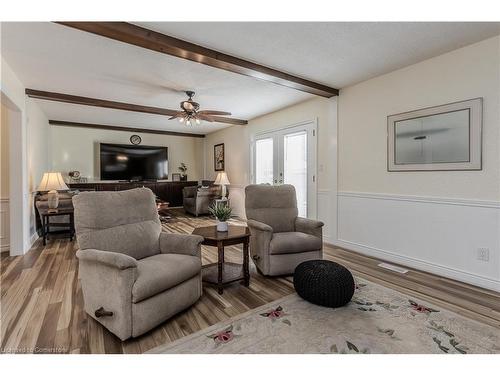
138	240
161	272
293	242
176	243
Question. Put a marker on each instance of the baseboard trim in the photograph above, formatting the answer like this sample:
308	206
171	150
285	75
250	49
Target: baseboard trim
435	269
5	248
33	238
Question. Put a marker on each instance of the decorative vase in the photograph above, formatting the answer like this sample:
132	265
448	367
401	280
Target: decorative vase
53	199
222	226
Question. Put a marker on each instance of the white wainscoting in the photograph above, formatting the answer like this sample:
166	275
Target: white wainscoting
4	225
325	215
438	235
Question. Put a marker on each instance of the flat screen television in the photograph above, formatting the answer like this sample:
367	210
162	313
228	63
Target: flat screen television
133	163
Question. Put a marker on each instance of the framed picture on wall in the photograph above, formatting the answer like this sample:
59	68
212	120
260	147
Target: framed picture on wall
219	157
442	138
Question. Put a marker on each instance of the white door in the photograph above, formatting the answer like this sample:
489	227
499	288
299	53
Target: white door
288	156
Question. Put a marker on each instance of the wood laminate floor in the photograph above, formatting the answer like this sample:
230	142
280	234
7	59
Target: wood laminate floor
42	305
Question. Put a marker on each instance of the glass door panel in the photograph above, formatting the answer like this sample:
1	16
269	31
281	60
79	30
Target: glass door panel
288	156
264	171
295	167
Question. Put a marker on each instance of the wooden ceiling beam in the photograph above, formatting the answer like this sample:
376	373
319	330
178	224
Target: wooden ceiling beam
122	128
152	40
82	100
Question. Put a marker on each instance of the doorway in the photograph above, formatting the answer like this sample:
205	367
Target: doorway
288	156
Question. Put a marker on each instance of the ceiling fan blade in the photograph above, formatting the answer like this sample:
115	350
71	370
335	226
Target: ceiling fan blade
177	115
219	113
204	117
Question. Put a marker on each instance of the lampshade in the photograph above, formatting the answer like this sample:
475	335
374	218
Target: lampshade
52	181
221	179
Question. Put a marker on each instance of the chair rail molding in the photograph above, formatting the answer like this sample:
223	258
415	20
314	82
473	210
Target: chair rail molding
440	235
425	199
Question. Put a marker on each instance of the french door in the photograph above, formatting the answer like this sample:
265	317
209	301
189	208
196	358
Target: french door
288	156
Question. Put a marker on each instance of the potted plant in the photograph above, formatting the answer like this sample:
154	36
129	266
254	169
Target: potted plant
222	213
183	168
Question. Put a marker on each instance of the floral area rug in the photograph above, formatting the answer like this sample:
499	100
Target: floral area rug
377	320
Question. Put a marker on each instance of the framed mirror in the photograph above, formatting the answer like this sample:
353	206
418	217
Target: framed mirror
442	138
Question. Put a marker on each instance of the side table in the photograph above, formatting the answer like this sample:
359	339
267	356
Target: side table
222	273
46	213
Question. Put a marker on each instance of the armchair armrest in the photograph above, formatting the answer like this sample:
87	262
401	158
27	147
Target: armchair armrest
257	225
187	244
309	226
107	281
108	258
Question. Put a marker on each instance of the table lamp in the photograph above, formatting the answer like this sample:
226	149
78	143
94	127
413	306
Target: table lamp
223	181
52	182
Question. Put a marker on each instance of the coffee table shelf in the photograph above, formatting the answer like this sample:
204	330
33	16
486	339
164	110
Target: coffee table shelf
230	272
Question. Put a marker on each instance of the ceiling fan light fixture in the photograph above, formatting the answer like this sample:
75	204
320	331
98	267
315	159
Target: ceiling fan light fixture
190	114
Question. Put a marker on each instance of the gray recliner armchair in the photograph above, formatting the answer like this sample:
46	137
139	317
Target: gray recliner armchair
133	275
197	200
280	240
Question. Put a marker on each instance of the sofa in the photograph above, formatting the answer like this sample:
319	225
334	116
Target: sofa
280	240
133	275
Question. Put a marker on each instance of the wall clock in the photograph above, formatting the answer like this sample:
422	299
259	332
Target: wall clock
135	139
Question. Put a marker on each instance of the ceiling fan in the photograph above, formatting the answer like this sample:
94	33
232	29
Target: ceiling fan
190	113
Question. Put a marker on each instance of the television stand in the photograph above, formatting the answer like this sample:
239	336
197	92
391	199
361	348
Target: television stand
167	191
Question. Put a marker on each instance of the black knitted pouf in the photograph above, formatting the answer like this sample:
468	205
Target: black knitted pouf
324	283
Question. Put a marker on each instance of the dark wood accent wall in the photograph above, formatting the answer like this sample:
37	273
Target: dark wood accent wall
122	128
83	100
169	191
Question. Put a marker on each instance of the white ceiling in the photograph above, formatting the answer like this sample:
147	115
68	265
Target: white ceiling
53	57
337	54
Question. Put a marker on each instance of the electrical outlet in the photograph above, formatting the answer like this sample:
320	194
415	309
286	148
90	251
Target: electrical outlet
483	253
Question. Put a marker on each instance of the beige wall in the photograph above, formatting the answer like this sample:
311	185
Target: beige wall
465	73
37	132
38	144
4	151
78	149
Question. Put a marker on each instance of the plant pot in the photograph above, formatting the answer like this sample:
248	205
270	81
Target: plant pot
184	177
222	226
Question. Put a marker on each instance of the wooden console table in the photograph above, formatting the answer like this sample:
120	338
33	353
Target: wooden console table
222	273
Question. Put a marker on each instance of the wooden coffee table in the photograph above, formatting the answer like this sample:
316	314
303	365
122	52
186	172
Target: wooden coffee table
222	273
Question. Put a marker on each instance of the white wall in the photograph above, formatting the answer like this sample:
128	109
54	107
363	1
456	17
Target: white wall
237	152
429	220
28	158
4	178
78	149
37	131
